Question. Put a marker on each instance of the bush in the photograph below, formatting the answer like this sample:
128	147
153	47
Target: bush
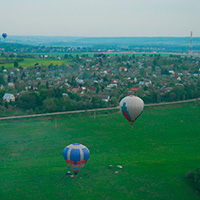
190	175
195	177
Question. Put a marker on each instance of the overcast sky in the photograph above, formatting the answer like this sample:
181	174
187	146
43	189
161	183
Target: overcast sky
100	18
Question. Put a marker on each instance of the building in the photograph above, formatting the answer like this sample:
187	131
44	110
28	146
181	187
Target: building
11	85
105	98
8	97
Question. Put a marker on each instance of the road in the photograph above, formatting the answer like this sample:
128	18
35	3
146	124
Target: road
93	110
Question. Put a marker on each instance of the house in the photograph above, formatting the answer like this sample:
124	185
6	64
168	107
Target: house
114	80
111	86
148	82
80	81
105	98
67	85
145	82
165	83
141	83
172	72
11	84
65	94
93	89
75	90
35	87
134	89
8	97
123	68
135	80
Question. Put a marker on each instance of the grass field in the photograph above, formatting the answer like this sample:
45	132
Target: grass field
162	147
32	61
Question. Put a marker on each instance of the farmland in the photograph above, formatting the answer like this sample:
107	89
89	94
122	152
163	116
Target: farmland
156	154
27	62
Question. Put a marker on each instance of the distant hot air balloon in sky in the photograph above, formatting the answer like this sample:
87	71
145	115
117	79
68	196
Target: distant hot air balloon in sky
131	107
76	155
4	35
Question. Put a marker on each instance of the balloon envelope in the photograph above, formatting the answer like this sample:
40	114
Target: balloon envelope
4	35
131	107
76	155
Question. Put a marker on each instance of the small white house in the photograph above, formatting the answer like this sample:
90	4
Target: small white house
106	98
8	97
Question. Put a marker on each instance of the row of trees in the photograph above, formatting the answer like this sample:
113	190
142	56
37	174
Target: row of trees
189	91
51	100
59	99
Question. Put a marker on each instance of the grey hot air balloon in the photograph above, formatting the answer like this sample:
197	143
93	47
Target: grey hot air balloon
131	107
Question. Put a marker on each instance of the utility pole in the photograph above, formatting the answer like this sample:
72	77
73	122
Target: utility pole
55	122
190	52
95	114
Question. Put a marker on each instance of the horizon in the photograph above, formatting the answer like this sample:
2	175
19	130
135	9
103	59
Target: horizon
104	36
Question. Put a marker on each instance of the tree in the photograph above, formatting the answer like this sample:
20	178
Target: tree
9	78
97	102
97	90
16	64
29	101
2	79
50	104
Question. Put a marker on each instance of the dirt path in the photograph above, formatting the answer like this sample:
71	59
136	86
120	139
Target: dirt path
93	110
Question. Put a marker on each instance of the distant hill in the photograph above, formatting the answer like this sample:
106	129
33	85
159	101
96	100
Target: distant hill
161	43
88	41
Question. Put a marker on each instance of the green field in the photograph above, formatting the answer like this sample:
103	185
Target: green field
32	61
156	154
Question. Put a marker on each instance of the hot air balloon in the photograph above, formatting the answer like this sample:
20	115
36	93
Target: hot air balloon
4	35
131	107
76	155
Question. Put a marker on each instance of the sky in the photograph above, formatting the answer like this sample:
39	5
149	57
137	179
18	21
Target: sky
101	18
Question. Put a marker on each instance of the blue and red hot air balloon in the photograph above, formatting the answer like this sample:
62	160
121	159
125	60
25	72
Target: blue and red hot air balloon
76	155
131	107
4	35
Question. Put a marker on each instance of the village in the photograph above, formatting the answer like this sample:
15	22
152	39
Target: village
96	81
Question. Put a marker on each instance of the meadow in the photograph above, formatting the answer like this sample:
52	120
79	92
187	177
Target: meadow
156	155
32	61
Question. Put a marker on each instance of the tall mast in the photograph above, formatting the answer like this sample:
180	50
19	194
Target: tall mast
190	43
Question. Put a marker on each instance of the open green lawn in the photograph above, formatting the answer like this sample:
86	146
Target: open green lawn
162	147
32	61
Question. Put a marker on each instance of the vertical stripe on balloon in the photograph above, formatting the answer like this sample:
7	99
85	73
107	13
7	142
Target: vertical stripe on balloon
86	153
75	155
125	112
65	152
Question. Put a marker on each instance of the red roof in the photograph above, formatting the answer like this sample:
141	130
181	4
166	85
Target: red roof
165	82
93	88
134	89
115	80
